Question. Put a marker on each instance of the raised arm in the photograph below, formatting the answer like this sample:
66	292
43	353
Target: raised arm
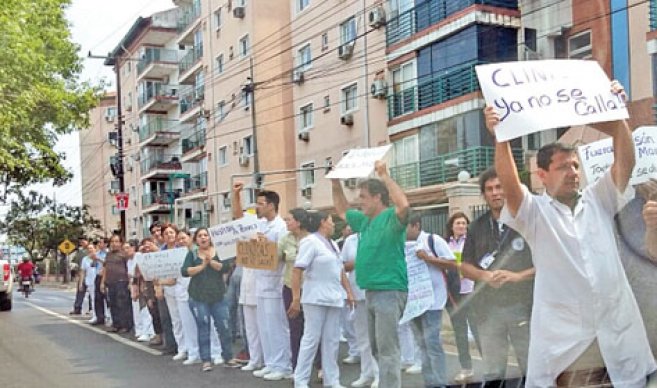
236	200
505	165
339	200
397	195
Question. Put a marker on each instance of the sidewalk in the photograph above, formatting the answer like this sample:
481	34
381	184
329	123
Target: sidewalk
50	282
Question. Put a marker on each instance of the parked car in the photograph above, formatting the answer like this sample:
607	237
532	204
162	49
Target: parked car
6	285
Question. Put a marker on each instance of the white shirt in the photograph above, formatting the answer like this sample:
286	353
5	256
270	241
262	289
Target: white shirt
322	272
348	254
269	284
89	270
437	277
581	291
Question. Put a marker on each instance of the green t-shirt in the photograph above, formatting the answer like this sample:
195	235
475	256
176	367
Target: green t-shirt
380	259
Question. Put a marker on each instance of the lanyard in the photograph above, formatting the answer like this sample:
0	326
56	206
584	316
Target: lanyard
505	234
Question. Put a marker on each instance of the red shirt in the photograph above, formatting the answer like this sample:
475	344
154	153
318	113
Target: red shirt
25	269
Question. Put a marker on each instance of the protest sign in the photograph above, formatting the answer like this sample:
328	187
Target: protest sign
258	254
225	236
161	265
596	158
358	163
531	96
420	290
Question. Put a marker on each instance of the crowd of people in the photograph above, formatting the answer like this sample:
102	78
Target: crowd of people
540	273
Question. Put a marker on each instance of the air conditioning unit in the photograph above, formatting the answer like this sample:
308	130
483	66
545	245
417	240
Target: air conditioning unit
114	186
307	192
379	88
227	201
347	119
297	76
109	116
207	207
304	135
238	12
345	50
112	138
350	183
244	160
377	17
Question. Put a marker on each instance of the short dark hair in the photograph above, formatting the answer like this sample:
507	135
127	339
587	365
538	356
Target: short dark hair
116	235
450	223
134	243
300	215
313	220
153	226
199	231
169	226
415	219
485	176
271	197
376	186
544	155
147	239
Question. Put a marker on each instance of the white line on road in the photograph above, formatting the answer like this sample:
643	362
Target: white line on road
113	336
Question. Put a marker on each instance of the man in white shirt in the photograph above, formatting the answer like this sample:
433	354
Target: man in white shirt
88	270
585	327
271	316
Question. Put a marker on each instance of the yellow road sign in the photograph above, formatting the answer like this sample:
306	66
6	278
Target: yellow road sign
66	247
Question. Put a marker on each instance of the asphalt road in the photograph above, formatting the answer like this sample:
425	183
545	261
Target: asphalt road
41	346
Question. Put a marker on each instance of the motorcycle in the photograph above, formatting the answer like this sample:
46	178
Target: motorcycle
26	286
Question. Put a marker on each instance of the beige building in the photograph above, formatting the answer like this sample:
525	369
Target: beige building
97	146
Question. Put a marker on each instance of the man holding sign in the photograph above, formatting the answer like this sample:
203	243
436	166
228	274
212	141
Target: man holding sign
585	327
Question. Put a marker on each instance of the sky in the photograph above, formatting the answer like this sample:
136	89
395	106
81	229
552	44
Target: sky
97	26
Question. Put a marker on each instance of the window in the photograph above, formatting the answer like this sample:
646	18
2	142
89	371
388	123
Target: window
304	58
579	46
220	112
220	63
217	19
348	31
403	82
349	98
222	159
327	103
306	117
246	99
247	145
244	46
308	176
325	42
302	4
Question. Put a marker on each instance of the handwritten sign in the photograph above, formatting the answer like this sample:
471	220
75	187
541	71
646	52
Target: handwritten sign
531	96
258	254
358	163
420	289
597	157
163	264
225	236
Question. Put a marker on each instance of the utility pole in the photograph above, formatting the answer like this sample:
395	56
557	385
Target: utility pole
250	88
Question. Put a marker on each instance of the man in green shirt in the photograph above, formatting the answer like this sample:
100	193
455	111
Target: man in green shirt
380	263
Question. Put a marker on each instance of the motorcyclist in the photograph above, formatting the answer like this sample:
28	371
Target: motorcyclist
26	270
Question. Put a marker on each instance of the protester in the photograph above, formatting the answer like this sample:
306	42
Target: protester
586	325
380	264
206	297
248	303
348	333
115	284
147	294
460	313
325	288
99	297
81	288
156	233
272	321
88	268
141	319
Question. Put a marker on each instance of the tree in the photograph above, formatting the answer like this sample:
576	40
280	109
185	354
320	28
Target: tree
41	96
39	225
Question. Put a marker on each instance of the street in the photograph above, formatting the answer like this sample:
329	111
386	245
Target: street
41	346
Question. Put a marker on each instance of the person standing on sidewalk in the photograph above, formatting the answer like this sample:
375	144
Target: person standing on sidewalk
81	292
380	263
99	297
88	269
115	284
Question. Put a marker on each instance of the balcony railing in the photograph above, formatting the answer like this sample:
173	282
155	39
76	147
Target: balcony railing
160	162
198	222
196	182
446	167
155	55
434	89
653	15
163	198
153	126
197	139
157	90
192	98
188	15
192	56
431	12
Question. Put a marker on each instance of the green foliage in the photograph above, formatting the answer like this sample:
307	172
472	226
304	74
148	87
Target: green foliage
40	94
38	224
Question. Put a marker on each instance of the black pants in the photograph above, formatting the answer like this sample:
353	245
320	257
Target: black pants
167	327
120	305
148	295
99	301
79	297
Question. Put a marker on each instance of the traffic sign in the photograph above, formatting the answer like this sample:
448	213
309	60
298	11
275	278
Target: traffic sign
66	247
122	200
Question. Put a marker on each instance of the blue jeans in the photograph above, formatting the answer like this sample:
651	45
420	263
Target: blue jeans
219	312
426	328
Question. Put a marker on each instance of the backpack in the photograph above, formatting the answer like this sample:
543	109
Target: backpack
451	276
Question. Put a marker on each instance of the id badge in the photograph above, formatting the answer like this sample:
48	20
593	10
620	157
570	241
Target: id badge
487	260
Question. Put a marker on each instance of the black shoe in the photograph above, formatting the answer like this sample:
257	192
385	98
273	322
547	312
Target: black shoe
74	312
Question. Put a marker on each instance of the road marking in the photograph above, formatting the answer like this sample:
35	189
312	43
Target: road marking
113	336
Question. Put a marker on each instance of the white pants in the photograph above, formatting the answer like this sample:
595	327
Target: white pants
369	368
142	320
274	334
252	335
176	323
190	332
91	289
348	331
410	352
322	326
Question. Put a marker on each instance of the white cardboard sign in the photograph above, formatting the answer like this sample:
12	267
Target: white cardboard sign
358	163
597	157
225	236
420	290
162	264
531	96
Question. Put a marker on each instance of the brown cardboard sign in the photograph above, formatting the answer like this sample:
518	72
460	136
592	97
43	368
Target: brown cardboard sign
258	254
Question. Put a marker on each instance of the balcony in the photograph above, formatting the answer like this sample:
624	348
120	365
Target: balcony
193	147
196	183
158	202
190	63
157	63
445	168
434	89
157	97
157	132
187	22
430	13
191	102
160	166
200	221
653	15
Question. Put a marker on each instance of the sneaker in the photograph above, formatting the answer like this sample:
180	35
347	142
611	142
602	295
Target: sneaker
414	369
249	367
232	364
242	357
362	382
156	340
123	330
375	384
275	376
218	361
206	367
262	372
351	360
464	375
74	312
92	321
144	338
191	361
180	356
320	375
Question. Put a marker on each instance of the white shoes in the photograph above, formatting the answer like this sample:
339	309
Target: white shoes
250	367
144	338
464	375
351	360
262	372
191	361
375	384
275	376
362	382
218	361
414	369
93	321
180	356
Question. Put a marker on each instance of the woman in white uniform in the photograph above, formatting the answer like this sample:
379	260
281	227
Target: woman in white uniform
325	287
142	321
